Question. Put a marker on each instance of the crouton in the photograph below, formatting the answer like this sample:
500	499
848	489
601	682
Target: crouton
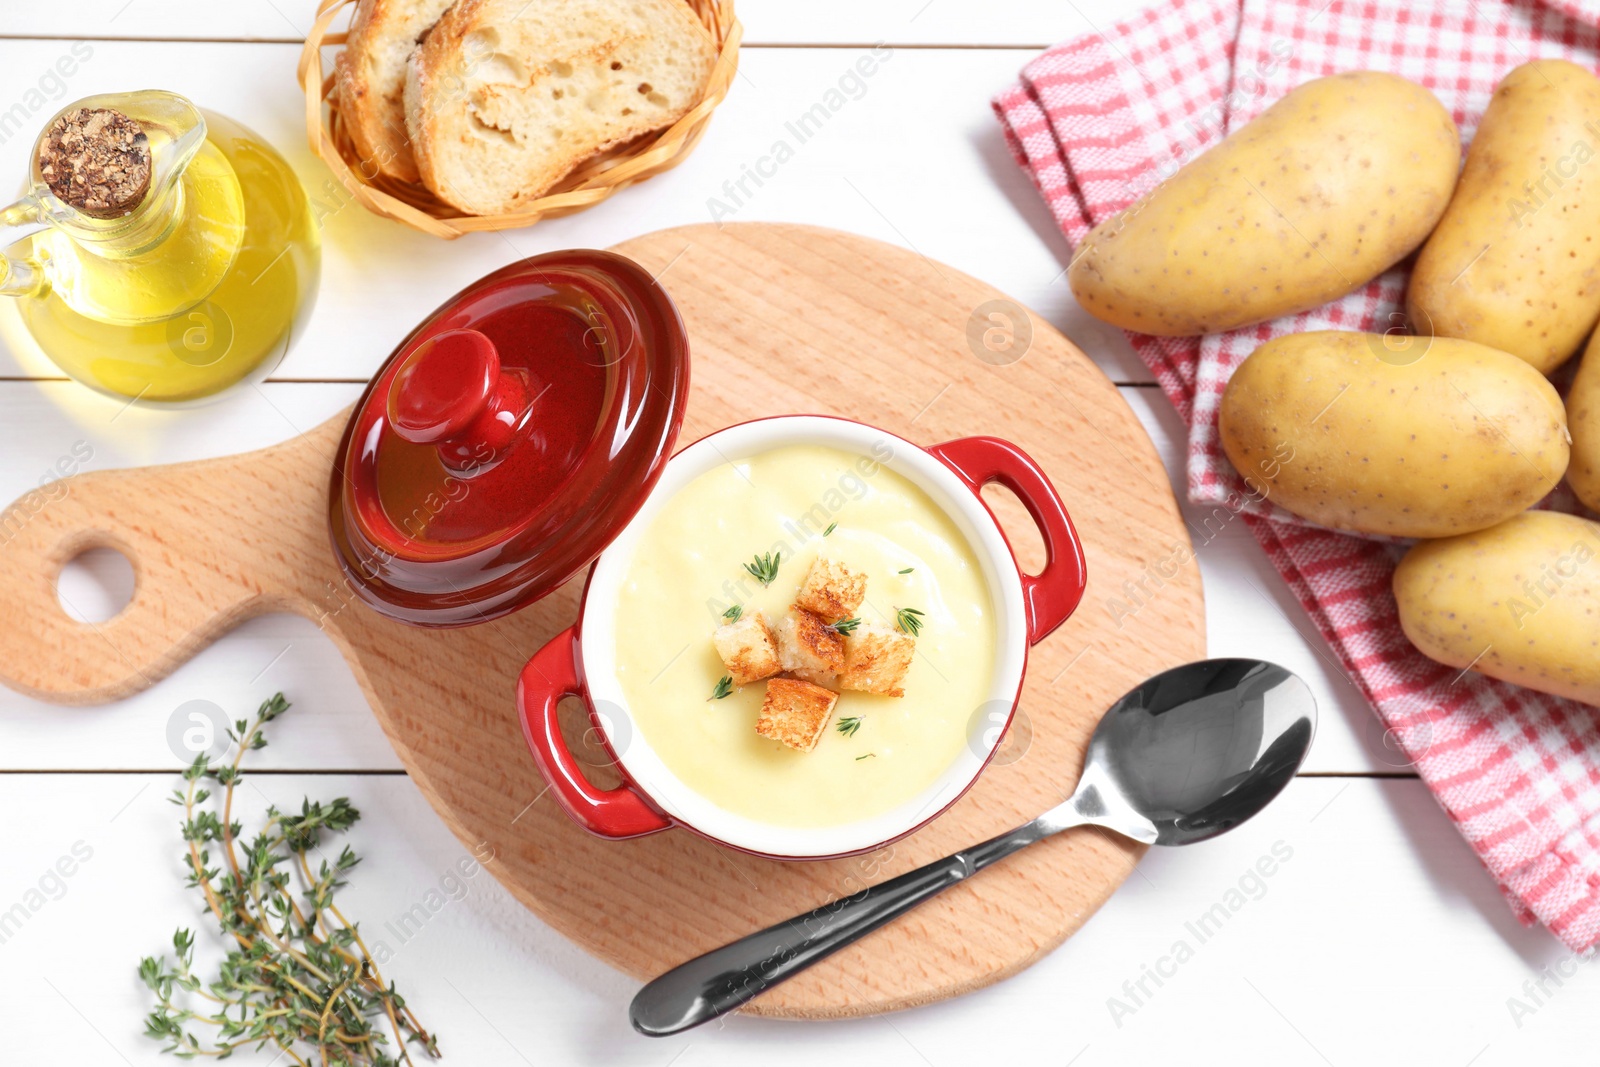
876	659
747	648
831	590
826	679
795	712
807	643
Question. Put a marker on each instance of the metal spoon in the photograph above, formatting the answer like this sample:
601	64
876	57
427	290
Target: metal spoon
1188	755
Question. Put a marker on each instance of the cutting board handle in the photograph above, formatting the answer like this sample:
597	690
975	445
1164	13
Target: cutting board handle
212	543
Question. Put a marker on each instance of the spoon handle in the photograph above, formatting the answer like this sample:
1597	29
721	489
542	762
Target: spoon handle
724	978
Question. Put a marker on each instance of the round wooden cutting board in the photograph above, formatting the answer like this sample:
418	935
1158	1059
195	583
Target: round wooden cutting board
781	319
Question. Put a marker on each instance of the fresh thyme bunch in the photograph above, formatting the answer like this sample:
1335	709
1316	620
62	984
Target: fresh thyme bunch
297	975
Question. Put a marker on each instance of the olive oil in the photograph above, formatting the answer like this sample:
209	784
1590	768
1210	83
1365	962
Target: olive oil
211	295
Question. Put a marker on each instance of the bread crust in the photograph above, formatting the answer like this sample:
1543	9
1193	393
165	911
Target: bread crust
374	113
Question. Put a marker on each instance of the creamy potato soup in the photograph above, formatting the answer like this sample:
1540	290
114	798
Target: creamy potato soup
688	572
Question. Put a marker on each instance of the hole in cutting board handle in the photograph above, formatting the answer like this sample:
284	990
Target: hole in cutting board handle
96	585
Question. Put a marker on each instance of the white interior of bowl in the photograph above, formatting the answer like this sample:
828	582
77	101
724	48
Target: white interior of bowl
633	750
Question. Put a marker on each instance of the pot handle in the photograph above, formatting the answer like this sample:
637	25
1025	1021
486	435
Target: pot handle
1053	594
550	675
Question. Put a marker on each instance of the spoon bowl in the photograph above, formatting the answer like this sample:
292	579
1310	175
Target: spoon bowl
1188	755
1195	751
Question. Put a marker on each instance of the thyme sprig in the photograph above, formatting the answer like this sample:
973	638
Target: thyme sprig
765	568
733	613
846	626
297	975
849	725
909	620
723	687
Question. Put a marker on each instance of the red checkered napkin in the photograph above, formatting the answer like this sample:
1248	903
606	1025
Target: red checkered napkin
1101	119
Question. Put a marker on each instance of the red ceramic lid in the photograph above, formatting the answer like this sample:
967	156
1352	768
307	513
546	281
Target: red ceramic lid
509	438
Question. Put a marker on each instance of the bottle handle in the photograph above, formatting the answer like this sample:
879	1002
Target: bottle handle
21	275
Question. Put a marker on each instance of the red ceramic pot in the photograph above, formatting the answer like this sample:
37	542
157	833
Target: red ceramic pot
581	660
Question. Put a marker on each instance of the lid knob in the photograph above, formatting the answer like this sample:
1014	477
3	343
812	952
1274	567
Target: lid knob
450	393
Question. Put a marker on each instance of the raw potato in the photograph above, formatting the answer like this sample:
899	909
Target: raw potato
1515	262
1332	185
1355	432
1519	602
1583	419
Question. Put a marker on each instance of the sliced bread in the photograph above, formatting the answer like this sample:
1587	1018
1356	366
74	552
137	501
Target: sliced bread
506	97
371	73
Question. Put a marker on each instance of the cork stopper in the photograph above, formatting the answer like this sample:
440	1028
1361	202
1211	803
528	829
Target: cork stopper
97	161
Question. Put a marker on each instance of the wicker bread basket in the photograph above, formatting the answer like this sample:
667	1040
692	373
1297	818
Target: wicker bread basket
599	177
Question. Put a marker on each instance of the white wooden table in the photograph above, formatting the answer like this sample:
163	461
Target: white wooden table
1379	940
